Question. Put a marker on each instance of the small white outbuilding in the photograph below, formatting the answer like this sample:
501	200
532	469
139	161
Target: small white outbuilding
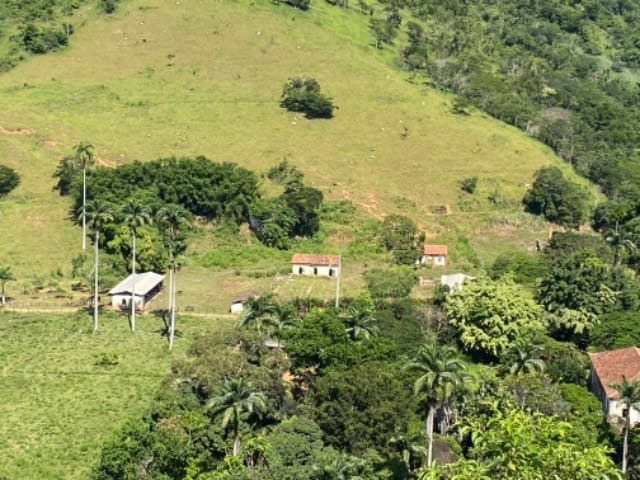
237	302
147	285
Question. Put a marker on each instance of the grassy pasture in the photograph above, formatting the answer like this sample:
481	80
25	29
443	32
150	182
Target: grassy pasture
59	404
204	77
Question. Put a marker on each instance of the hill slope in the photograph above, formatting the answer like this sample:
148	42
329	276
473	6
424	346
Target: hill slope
204	77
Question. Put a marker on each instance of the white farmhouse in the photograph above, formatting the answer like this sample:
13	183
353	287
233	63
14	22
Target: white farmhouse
147	285
435	255
315	264
608	368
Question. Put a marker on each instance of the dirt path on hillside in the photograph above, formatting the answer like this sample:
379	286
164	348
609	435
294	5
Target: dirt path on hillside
19	131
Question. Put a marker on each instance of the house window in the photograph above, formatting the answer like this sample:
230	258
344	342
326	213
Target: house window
625	412
331	272
315	270
300	270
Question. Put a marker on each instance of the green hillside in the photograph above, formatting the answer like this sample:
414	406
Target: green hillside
204	77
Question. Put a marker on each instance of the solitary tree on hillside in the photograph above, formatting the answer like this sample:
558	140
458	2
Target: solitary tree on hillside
236	402
98	214
170	220
629	391
84	154
440	373
135	215
5	276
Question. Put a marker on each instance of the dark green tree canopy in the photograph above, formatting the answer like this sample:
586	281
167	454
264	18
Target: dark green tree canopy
302	94
9	179
400	235
559	200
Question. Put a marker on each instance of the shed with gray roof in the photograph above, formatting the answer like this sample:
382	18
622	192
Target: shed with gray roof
147	285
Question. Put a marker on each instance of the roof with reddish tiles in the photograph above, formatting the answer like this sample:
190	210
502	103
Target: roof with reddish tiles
315	259
612	365
435	250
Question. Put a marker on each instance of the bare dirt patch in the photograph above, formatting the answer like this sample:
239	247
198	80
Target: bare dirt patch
18	131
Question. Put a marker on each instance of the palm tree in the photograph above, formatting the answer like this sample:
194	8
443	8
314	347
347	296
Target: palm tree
257	310
98	214
409	448
360	322
523	357
284	316
619	240
136	214
170	219
237	401
440	373
629	391
5	276
84	154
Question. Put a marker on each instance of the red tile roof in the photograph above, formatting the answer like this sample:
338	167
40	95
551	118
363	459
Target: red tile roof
314	259
435	250
612	365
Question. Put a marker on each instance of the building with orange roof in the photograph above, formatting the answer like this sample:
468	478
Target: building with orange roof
434	255
315	264
608	368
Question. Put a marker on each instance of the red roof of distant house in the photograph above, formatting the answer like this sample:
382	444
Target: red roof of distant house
612	365
314	259
435	250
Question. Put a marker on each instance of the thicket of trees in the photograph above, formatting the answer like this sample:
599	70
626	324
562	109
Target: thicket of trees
9	179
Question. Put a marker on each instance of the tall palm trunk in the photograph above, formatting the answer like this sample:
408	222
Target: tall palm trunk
95	284
429	426
236	434
172	312
84	202
133	283
625	443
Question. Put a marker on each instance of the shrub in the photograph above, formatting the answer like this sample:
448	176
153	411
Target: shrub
302	94
468	184
9	179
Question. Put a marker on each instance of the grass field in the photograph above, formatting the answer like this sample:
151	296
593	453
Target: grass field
204	77
58	403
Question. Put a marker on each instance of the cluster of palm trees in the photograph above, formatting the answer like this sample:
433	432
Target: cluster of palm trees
170	219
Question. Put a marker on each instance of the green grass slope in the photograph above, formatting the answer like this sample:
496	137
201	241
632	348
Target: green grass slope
204	77
59	404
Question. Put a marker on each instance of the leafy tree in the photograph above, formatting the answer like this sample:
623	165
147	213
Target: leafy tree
629	392
236	402
272	220
135	215
400	235
98	214
516	445
394	282
9	179
171	220
302	94
5	276
383	31
66	173
559	200
523	267
305	202
301	4
440	373
83	154
358	411
490	315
